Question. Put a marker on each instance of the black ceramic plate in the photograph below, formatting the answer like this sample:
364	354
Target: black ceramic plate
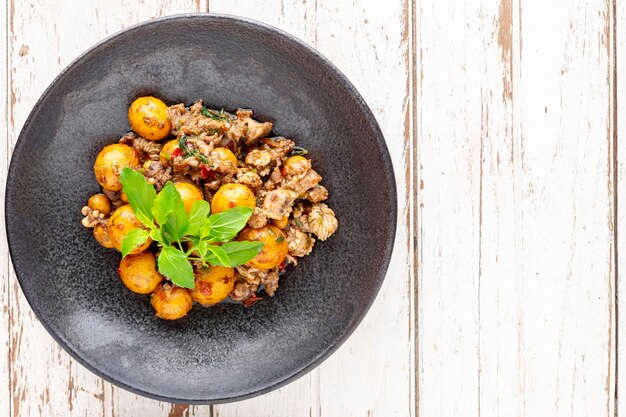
227	352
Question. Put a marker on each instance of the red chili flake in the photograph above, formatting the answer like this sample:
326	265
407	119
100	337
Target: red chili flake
282	267
207	172
119	271
251	300
176	152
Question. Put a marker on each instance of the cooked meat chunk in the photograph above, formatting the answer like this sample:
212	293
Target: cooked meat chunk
248	177
259	158
196	155
277	204
302	183
279	146
258	219
244	126
317	194
193	121
300	243
270	281
243	290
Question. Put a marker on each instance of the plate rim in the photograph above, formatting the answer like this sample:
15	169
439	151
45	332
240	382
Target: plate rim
390	178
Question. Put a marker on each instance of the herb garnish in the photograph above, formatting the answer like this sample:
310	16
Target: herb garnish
221	115
188	153
299	151
168	224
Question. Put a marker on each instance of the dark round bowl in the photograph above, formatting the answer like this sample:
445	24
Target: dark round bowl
227	352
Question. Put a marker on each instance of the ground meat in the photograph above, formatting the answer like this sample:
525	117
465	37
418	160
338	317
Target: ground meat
302	183
114	197
248	177
192	122
277	204
252	275
213	185
243	290
278	146
184	162
156	174
221	165
208	192
146	149
300	243
259	158
274	180
258	219
270	281
317	194
244	126
253	278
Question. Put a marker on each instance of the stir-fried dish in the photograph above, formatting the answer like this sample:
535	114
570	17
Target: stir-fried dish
205	205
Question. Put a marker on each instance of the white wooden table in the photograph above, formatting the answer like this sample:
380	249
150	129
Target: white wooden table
507	127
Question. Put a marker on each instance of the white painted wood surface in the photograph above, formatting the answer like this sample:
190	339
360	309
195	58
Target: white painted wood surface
516	265
503	121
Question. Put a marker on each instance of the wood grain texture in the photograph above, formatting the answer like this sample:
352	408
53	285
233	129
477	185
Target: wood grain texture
371	374
44	38
516	233
5	339
619	108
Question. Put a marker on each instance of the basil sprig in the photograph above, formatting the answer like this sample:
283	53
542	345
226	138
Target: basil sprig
167	223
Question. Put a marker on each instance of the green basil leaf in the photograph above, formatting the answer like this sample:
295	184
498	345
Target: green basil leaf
173	264
215	255
197	216
149	223
241	252
177	220
164	203
140	193
136	237
224	226
156	235
205	230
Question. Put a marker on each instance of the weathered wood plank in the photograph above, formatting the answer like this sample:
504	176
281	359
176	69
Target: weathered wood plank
369	41
515	231
564	197
5	387
462	111
44	37
620	223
